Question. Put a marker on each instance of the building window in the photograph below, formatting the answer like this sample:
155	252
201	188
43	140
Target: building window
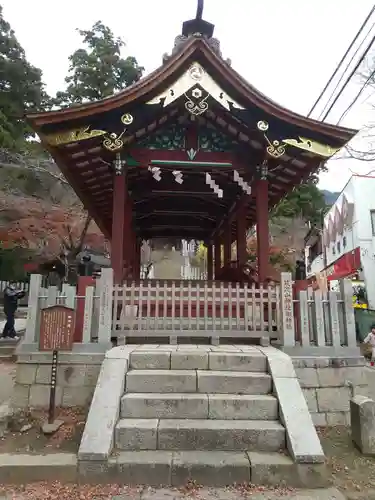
344	242
338	247
372	213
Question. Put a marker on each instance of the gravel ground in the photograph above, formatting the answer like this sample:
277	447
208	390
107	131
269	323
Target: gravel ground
351	472
58	492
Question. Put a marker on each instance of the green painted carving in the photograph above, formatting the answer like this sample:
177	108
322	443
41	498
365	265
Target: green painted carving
170	138
214	141
131	162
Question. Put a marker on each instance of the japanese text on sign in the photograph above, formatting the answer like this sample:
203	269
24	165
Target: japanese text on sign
288	303
57	328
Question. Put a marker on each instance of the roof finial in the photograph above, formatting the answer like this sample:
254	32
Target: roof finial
200	8
197	26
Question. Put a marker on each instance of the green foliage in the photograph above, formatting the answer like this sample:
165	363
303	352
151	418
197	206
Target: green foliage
277	258
306	201
98	71
12	262
21	89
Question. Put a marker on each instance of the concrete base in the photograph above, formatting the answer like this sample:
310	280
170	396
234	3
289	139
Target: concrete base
205	468
77	375
328	382
330	351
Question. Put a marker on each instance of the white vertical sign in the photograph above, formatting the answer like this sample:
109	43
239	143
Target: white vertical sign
105	306
88	314
304	318
287	311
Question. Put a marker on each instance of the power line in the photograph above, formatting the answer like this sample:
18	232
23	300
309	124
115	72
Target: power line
368	80
346	69
352	73
342	60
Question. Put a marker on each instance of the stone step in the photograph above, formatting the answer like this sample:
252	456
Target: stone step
225	382
7	348
194	434
202	381
212	406
214	468
201	359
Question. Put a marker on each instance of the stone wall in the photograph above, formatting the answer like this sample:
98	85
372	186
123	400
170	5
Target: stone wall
326	384
77	374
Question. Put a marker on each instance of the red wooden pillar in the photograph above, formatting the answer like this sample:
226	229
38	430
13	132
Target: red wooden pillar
217	256
227	245
263	249
137	259
241	235
128	241
119	220
210	268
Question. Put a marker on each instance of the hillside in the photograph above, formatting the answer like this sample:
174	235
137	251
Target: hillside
330	196
40	213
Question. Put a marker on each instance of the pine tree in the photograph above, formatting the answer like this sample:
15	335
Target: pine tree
21	88
98	70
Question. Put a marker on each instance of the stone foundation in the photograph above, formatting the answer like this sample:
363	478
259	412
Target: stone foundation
328	384
77	375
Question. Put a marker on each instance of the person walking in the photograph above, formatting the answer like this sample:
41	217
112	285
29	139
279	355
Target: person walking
370	339
11	298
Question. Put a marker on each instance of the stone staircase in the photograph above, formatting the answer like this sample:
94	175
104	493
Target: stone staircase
202	413
8	346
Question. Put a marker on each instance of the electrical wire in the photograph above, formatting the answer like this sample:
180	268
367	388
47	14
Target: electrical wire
343	59
352	73
344	73
368	80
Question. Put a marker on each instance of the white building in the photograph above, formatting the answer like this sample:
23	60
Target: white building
347	244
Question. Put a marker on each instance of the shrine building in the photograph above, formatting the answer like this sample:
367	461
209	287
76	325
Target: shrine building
190	151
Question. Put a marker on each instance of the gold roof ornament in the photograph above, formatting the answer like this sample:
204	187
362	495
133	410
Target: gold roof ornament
275	148
314	147
195	78
75	135
114	142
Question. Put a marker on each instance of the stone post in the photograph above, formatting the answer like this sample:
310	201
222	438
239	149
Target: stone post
33	309
346	291
362	417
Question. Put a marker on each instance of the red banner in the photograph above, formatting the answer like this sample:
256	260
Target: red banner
345	266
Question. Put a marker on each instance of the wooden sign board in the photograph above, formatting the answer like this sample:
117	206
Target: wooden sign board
56	328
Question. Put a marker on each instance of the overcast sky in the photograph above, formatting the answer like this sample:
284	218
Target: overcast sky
287	49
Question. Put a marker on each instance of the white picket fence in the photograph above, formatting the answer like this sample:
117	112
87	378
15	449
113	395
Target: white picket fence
21	285
192	273
186	308
162	307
